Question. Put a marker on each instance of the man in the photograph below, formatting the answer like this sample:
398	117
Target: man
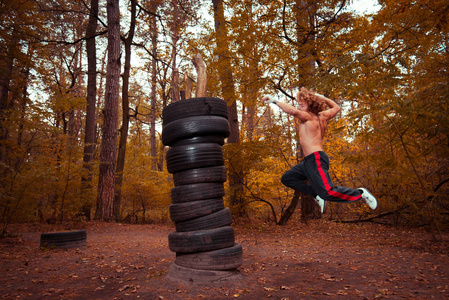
313	118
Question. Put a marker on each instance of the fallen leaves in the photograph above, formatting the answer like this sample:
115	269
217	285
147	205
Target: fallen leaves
129	287
281	288
284	265
328	277
342	292
386	292
123	288
52	291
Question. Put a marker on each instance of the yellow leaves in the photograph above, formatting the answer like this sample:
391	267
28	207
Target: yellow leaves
144	190
65	102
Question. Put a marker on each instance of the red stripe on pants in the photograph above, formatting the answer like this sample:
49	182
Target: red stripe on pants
327	185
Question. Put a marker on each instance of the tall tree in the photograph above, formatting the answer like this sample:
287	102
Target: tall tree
17	53
125	114
91	112
11	48
154	37
300	23
18	30
108	148
228	91
305	19
175	37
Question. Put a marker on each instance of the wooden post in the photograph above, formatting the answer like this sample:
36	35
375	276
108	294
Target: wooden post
188	82
200	66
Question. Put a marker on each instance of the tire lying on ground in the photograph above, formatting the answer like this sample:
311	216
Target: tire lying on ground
63	240
222	259
194	126
194	209
201	240
214	220
194	156
198	191
200	175
203	106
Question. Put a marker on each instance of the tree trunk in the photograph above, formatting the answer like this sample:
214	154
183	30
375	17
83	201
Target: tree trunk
252	77
305	17
125	116
165	95
290	209
6	70
235	176
310	210
89	135
108	150
23	107
188	83
201	82
175	37
154	36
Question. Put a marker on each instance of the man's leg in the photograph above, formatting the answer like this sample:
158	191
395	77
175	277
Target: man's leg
317	169
295	178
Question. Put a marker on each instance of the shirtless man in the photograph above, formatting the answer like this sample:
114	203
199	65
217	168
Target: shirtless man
315	167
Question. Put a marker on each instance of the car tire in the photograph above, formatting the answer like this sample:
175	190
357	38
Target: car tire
223	259
200	175
200	140
203	106
63	240
194	209
214	220
194	126
201	240
198	191
191	276
194	156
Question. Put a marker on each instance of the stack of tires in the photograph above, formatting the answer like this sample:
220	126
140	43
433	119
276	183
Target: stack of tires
195	130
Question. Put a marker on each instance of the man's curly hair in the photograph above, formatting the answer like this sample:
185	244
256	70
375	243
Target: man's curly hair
314	102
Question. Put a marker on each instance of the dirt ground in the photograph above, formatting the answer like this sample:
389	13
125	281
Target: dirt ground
320	260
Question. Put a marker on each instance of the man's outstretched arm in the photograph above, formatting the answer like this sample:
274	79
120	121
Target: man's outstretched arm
287	108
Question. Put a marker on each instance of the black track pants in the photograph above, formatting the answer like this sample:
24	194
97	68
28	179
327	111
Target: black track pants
315	169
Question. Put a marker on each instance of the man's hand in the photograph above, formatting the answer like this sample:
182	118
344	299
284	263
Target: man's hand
319	95
269	99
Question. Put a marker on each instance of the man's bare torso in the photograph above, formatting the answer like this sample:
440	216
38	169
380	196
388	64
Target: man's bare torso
311	134
311	125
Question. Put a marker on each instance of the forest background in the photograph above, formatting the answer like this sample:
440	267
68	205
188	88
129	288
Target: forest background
83	85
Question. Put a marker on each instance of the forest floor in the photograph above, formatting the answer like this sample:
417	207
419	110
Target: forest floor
320	260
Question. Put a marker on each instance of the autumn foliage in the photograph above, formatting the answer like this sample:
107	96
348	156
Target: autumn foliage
388	70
